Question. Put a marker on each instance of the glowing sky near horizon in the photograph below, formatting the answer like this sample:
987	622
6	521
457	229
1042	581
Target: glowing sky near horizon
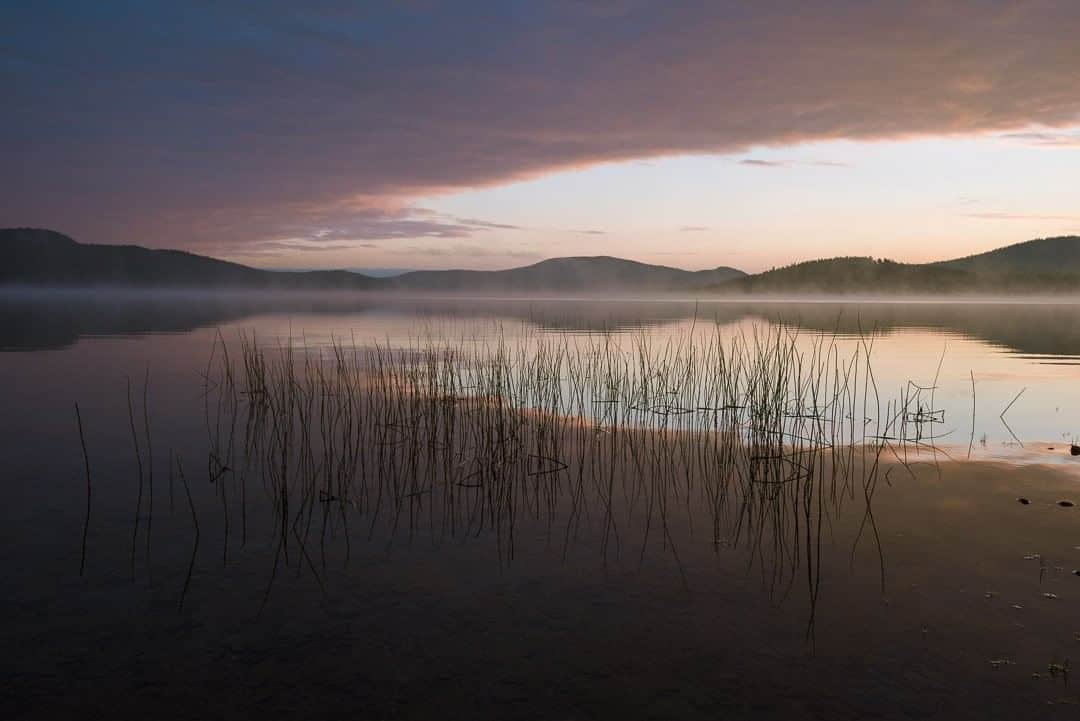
431	134
773	206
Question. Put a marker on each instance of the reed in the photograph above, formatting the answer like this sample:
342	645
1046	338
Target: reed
628	438
86	463
195	539
464	437
139	468
149	473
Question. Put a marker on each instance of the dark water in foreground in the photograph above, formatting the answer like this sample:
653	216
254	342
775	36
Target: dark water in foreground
952	601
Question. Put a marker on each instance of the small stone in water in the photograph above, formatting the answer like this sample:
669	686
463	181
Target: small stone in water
1066	503
1050	595
1074	449
1033	557
1023	500
990	594
1018	606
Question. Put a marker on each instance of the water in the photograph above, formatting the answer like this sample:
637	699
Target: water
899	615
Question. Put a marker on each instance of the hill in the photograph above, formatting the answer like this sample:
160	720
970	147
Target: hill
36	257
1044	265
1056	256
39	257
594	274
851	275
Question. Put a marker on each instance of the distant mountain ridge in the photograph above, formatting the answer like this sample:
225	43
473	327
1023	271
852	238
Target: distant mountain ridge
38	257
35	257
593	273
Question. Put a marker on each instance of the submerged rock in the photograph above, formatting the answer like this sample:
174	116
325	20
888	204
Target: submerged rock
1074	449
1066	503
1023	500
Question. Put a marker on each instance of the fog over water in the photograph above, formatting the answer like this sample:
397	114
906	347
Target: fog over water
1008	347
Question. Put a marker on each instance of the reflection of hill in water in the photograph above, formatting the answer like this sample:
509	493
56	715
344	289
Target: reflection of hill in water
53	320
1044	329
41	322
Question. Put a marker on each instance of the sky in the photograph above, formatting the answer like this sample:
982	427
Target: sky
435	134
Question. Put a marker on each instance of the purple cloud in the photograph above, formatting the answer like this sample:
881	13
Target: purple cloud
217	125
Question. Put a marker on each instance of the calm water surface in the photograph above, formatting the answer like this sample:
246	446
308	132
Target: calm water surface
953	600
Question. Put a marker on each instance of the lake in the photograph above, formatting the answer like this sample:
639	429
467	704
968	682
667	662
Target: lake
584	515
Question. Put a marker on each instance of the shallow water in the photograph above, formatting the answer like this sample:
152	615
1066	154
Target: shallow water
902	620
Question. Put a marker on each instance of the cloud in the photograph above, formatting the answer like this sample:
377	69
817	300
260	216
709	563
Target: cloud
465	250
307	247
347	228
1021	216
484	224
1046	139
274	249
692	229
220	124
601	8
591	232
758	162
